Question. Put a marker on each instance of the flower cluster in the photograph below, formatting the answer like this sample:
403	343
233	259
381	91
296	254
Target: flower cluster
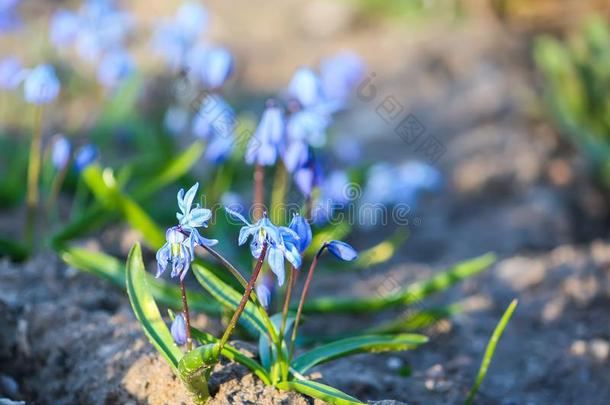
182	238
98	32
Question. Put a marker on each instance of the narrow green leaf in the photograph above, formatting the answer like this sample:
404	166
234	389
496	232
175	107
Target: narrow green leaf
145	309
111	269
382	252
233	354
316	390
195	368
97	215
491	348
174	170
354	345
409	295
16	251
104	188
228	297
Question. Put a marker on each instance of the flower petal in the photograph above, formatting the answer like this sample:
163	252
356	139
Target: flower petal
275	258
236	215
178	330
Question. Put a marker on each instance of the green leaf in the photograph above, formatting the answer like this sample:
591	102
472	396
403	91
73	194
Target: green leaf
111	269
195	368
97	215
103	186
172	171
316	390
233	354
145	309
16	251
491	348
381	252
354	345
407	296
228	297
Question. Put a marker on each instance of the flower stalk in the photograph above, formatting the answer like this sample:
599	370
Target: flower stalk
297	319
187	318
244	299
259	192
33	175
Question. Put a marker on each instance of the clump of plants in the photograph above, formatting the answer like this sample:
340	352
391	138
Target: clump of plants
284	183
576	74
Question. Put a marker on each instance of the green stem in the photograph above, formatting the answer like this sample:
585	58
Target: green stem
293	338
244	299
187	318
58	181
287	297
33	176
259	192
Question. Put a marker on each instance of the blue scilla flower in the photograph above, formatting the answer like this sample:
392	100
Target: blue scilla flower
281	243
310	124
341	250
115	67
192	18
305	87
192	216
9	16
60	152
215	116
264	145
216	68
85	156
64	29
178	330
41	85
301	227
172	44
265	287
220	147
11	73
340	74
308	175
179	248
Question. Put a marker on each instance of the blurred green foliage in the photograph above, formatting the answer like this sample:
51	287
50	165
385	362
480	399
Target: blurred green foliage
577	88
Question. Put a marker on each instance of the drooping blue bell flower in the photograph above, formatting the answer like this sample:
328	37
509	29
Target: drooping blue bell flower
265	287
280	243
11	73
217	67
60	152
264	145
341	250
309	175
85	156
178	330
302	228
305	87
341	74
295	155
65	27
41	85
220	147
215	116
310	124
115	67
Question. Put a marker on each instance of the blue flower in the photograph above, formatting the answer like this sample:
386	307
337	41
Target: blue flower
115	67
308	175
65	27
340	74
178	330
264	289
341	250
192	216
281	243
9	17
192	18
301	227
11	73
60	153
41	85
305	87
217	67
85	156
268	138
